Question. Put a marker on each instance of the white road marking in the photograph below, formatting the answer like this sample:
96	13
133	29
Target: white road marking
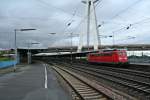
45	77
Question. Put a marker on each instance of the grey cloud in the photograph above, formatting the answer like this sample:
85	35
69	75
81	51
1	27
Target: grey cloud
49	16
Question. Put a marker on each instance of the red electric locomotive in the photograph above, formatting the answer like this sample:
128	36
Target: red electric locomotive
108	56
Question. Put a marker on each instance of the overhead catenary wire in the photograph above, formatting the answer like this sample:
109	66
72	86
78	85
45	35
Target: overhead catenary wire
52	6
68	22
122	11
85	17
43	3
71	20
82	20
131	24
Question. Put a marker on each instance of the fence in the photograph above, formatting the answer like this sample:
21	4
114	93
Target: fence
139	56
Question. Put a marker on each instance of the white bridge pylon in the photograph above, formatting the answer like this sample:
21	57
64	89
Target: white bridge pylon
90	13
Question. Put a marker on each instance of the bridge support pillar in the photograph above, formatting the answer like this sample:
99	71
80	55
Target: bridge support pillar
29	57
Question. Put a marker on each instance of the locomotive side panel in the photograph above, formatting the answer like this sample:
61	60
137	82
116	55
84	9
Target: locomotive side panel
116	56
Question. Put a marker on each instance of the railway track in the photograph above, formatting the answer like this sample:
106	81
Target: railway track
137	85
137	76
120	70
107	92
138	68
83	90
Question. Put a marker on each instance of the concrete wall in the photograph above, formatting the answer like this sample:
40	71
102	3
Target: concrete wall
4	64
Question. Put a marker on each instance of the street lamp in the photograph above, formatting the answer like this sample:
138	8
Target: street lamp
15	30
113	32
106	36
71	36
52	33
29	52
113	38
131	37
56	49
31	29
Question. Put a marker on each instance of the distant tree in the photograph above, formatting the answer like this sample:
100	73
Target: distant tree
0	53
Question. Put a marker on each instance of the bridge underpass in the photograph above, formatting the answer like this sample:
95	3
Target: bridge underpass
72	50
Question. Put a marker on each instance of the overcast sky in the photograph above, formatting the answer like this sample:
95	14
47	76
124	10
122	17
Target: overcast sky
51	16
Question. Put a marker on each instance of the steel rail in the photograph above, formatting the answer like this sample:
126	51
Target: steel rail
114	94
136	87
123	70
82	89
117	79
134	78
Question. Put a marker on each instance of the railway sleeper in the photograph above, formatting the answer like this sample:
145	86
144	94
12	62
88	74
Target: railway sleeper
130	85
87	92
125	76
82	90
80	87
92	95
97	97
148	89
138	77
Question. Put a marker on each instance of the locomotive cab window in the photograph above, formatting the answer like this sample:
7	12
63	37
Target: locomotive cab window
122	54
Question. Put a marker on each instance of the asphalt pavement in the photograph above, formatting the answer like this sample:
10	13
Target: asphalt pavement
33	82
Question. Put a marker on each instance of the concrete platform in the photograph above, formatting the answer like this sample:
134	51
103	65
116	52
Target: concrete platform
144	64
29	84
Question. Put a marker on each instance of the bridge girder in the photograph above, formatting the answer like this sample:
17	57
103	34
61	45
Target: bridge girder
130	47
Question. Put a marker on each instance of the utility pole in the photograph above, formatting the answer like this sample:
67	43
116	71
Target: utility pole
71	34
15	50
113	39
29	54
